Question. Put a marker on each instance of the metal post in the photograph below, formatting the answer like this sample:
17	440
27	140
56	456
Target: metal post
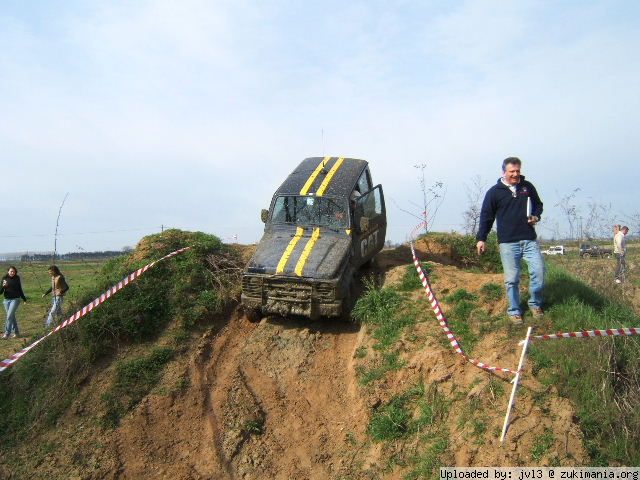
516	379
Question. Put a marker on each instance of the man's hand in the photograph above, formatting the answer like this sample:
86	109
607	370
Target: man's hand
480	246
532	219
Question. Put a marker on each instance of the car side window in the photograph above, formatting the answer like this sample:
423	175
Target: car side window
364	182
370	203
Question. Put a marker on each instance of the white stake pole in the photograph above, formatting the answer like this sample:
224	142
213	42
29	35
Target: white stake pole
515	381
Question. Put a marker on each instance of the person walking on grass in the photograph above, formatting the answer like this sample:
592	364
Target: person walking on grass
12	290
620	250
514	203
59	287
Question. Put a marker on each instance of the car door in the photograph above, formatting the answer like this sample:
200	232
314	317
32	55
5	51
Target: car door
370	225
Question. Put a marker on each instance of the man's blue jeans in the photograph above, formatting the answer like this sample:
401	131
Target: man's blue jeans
56	310
511	255
10	306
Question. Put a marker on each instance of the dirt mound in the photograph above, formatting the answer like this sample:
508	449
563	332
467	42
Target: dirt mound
282	399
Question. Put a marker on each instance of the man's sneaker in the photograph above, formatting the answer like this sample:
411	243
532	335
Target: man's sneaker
618	280
537	312
516	319
5	336
13	335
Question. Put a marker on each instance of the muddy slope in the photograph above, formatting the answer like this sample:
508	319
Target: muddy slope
281	399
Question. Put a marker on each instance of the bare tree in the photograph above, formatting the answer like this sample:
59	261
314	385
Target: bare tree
571	212
432	198
598	220
55	236
471	215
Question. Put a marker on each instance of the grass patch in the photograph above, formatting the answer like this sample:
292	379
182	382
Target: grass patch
389	361
542	444
428	463
460	295
601	376
411	281
134	379
491	291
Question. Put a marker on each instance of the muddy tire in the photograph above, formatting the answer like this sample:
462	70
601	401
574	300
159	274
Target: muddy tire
254	315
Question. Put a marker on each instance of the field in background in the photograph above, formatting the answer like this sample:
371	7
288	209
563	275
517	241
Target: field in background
35	281
599	273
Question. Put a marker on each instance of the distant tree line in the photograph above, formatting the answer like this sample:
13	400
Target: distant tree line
46	257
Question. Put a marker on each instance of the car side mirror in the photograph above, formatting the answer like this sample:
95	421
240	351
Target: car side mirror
264	215
364	224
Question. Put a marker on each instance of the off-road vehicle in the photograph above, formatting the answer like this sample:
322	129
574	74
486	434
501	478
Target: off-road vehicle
554	250
325	221
588	251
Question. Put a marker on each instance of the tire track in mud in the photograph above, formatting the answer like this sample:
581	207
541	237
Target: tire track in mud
294	382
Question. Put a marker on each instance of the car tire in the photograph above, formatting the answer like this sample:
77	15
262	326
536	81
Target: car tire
607	255
254	315
586	255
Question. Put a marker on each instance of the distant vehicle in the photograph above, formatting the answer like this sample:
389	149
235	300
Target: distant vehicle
589	250
325	221
555	250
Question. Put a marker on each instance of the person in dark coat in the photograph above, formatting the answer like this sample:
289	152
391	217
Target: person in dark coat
516	206
12	290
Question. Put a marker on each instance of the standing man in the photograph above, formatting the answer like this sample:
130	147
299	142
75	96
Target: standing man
515	204
619	250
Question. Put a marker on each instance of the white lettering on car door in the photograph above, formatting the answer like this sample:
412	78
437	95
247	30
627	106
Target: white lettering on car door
369	243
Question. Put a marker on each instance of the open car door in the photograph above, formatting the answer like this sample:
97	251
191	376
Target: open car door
370	222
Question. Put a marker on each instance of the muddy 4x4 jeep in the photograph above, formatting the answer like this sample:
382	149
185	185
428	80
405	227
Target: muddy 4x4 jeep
325	221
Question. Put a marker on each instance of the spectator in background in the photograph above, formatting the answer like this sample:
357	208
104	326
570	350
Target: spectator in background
515	204
12	290
59	287
620	250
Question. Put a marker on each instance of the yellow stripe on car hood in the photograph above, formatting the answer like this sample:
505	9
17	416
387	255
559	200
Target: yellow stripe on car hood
287	251
307	250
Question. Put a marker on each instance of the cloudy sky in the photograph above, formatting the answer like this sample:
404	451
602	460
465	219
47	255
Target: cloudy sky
189	114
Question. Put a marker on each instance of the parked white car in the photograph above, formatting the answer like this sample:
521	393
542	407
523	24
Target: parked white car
555	250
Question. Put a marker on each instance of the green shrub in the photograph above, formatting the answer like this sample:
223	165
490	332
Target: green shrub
375	306
463	251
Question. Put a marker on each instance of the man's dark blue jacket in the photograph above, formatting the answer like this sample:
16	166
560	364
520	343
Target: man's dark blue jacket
510	211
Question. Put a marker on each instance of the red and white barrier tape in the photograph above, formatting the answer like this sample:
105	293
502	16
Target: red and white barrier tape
609	332
443	321
414	233
4	364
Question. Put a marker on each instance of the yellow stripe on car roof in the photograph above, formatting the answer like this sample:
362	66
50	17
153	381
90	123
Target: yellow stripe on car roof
287	251
311	179
307	250
327	179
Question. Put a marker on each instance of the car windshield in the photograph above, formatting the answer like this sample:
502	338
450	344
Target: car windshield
310	211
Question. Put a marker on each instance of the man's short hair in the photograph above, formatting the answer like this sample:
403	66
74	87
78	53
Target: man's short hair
625	228
510	161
